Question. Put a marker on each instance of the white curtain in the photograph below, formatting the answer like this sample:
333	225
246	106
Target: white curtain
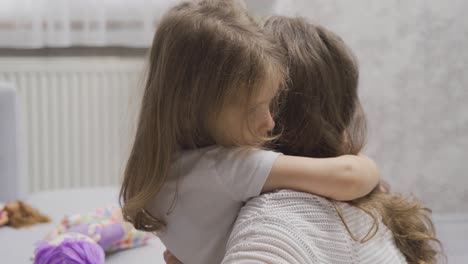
63	23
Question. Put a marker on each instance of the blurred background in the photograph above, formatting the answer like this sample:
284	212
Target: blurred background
76	68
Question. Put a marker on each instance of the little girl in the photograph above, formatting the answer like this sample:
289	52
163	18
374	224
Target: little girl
213	76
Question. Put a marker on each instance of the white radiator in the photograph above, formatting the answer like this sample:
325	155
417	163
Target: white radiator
78	114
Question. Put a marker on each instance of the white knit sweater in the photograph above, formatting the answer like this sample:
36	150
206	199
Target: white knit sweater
294	227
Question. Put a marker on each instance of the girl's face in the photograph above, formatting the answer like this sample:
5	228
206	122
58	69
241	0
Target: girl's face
244	125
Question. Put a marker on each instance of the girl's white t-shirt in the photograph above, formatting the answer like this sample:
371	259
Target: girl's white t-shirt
203	196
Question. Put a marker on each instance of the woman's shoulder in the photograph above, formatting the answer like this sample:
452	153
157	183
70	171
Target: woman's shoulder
289	201
294	224
267	235
289	206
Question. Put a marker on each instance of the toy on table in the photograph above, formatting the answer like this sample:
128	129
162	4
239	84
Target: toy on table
105	231
73	248
18	214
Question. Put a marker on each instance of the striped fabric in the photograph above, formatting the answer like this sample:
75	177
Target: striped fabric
294	227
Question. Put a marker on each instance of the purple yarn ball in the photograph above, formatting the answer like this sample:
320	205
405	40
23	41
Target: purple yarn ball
70	248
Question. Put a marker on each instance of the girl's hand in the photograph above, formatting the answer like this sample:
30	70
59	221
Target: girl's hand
170	259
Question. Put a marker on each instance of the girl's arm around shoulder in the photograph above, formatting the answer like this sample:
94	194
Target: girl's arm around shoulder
343	178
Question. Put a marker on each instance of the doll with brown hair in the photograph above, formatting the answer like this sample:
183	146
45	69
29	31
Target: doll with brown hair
18	214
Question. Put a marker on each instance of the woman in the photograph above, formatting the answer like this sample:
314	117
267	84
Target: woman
320	116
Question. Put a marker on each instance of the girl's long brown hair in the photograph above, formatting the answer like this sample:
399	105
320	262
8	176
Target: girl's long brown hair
205	55
321	116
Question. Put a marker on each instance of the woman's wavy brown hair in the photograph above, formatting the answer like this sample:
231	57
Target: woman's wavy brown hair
320	116
206	55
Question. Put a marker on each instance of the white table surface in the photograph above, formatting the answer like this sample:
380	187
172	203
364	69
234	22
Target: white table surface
17	245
